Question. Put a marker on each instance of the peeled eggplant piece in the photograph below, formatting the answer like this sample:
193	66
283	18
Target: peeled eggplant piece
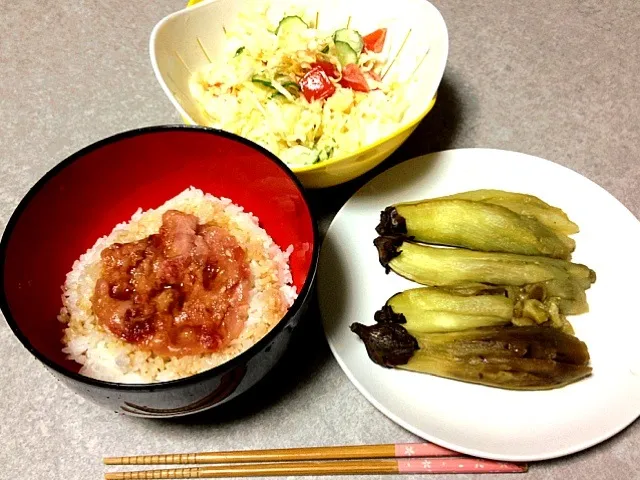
435	310
514	358
507	342
431	309
578	272
452	267
465	269
572	298
528	205
474	225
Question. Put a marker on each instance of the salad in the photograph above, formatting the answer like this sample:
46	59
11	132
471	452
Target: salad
303	93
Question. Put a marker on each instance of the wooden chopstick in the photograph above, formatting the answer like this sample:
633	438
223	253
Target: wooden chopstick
351	452
333	467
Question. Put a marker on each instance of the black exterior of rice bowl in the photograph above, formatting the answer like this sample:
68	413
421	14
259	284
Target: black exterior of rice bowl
193	394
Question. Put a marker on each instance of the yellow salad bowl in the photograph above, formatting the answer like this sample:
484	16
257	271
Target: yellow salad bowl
417	34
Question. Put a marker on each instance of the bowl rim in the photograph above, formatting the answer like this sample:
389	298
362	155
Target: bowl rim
191	6
234	362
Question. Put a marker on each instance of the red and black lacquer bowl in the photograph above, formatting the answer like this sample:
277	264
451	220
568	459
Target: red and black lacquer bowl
86	195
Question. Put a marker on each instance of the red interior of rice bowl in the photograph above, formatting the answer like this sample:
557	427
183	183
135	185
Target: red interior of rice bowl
88	194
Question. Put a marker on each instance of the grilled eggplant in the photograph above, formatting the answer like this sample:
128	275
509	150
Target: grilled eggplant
430	309
514	358
474	225
436	310
459	268
528	205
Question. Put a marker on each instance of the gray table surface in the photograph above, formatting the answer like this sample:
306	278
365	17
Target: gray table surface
552	78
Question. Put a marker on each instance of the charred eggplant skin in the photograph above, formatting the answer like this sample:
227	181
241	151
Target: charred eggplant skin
391	222
387	344
387	250
387	315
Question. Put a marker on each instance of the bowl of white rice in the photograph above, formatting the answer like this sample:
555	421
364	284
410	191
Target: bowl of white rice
160	272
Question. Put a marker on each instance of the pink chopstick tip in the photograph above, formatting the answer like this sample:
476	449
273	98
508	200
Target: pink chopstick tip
422	450
457	465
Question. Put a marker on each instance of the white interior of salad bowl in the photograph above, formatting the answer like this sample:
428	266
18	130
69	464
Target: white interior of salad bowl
181	42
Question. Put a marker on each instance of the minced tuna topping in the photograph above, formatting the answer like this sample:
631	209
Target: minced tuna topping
182	291
107	356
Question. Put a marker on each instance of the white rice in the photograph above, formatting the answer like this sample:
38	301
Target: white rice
106	357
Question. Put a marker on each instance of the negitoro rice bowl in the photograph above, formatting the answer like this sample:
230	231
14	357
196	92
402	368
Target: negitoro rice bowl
106	356
250	229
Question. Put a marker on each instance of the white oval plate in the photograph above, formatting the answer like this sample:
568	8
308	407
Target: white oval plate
474	419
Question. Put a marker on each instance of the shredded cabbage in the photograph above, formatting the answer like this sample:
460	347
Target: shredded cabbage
253	92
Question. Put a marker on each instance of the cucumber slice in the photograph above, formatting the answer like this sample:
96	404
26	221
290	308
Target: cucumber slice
345	53
261	81
287	83
351	37
324	154
291	24
292	87
287	89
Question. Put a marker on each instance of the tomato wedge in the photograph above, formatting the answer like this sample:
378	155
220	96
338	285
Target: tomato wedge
353	78
327	67
315	85
374	42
